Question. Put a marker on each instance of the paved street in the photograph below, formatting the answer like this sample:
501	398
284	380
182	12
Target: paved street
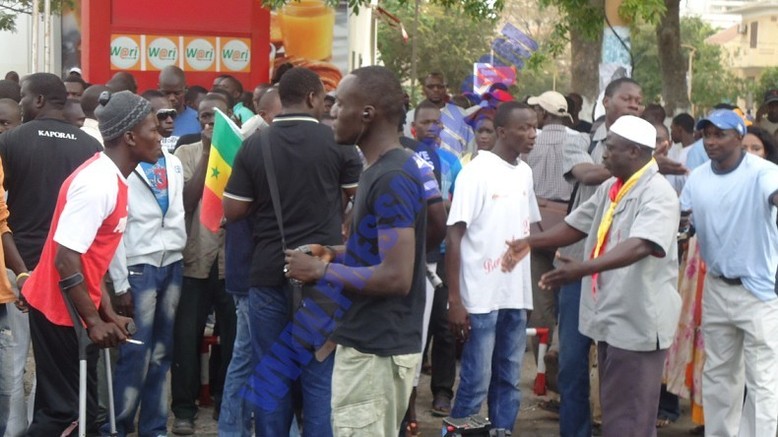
533	421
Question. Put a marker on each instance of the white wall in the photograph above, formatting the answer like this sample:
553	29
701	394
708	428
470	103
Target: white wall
17	47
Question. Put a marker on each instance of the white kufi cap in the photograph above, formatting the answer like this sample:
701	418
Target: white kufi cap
636	130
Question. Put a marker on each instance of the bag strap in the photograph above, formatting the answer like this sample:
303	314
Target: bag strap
272	182
577	185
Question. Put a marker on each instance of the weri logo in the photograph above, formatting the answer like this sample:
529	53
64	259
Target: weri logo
199	54
162	52
236	55
125	53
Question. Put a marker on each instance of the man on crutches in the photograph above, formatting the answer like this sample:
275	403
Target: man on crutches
86	228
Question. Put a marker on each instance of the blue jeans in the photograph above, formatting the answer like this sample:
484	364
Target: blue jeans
491	366
269	312
6	366
575	417
235	415
140	374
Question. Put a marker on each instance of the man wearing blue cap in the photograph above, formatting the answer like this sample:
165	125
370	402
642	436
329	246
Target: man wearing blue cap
732	200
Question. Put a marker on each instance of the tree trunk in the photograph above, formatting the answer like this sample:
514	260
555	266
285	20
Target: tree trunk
585	56
671	60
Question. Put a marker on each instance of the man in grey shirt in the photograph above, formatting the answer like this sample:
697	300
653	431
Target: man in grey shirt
629	300
584	168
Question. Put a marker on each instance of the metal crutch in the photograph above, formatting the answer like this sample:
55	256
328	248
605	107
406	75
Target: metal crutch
83	343
109	376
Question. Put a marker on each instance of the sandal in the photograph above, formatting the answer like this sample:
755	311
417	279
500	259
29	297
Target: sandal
412	430
662	422
697	430
441	406
551	405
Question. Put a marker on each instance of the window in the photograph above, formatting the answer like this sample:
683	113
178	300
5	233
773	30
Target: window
754	32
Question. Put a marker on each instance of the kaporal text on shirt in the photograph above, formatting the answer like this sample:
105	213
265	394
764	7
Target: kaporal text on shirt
55	134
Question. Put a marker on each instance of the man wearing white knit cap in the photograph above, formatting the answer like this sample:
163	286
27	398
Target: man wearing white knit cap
629	301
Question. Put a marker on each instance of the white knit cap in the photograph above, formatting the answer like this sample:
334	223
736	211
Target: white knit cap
636	130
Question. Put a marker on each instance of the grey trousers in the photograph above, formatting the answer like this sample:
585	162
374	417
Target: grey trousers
630	383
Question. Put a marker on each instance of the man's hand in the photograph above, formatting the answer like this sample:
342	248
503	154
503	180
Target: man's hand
302	267
124	304
669	167
517	250
21	304
322	252
458	321
107	334
568	271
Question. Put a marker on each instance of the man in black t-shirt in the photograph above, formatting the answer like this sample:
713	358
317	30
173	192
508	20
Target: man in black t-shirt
312	173
382	266
37	157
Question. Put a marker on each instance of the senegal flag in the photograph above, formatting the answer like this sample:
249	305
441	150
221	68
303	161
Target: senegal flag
224	146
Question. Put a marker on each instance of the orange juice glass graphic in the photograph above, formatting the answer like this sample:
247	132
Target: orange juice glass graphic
307	28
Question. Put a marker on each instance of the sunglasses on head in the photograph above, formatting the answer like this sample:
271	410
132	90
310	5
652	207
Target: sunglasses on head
163	114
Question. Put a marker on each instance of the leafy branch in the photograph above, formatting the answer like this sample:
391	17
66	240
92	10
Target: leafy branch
476	9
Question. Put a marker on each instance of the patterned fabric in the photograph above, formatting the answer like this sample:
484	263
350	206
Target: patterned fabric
546	161
686	356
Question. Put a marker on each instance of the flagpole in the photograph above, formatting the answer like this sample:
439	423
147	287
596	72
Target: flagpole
413	51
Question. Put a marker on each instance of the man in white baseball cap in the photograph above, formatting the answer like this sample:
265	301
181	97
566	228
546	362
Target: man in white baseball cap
552	102
553	193
629	301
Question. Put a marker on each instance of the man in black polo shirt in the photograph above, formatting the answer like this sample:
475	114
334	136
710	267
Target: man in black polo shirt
312	172
382	266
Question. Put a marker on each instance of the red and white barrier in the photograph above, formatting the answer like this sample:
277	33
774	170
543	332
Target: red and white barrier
540	378
205	353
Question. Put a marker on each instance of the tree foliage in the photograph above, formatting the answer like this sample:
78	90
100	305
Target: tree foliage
448	41
478	9
588	17
11	9
711	83
768	80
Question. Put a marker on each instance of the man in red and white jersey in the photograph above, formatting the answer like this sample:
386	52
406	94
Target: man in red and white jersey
86	228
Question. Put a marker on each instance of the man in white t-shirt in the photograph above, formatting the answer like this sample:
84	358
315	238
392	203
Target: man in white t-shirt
493	202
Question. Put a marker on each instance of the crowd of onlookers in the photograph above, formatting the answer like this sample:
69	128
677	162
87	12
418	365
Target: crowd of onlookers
365	241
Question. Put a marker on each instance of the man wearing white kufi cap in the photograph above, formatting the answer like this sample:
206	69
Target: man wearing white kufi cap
629	301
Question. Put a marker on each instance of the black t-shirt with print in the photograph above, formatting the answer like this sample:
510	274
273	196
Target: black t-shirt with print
311	170
37	157
390	196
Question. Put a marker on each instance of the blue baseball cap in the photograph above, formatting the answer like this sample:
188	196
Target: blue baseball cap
724	119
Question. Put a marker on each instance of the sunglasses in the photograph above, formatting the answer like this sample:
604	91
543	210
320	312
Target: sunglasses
163	114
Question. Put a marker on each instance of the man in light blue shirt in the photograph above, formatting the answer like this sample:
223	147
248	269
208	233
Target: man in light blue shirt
732	201
235	89
172	83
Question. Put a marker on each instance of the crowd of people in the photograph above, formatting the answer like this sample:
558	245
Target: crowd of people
365	241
